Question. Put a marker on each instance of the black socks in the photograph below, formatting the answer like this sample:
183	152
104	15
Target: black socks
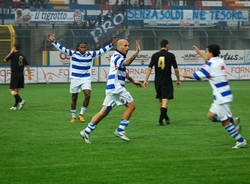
163	115
18	99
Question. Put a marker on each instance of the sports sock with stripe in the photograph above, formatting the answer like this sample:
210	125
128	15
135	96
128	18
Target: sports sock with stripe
123	124
91	127
73	113
231	130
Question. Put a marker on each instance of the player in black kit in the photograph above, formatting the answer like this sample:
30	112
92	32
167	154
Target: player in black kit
163	61
18	61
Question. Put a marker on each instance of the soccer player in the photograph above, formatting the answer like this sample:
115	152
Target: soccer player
80	72
116	93
163	61
18	61
215	71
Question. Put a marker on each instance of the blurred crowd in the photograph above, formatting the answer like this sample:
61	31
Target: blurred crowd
122	4
37	4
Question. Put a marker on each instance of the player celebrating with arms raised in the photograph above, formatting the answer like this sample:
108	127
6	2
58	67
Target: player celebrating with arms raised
116	93
215	71
80	72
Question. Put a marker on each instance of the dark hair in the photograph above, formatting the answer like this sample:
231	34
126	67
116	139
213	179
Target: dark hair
18	46
214	49
78	45
164	43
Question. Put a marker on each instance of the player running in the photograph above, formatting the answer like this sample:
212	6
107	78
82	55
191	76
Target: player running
80	72
18	61
215	71
116	93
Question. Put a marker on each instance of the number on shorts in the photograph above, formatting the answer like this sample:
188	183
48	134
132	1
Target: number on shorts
161	62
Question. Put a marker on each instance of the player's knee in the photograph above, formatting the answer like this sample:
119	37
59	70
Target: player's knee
87	94
132	107
210	116
74	97
13	93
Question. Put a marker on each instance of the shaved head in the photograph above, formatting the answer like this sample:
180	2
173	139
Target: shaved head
123	46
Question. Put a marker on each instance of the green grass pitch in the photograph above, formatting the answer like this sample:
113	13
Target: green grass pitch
39	145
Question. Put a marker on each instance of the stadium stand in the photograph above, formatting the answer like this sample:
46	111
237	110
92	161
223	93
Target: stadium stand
97	12
125	4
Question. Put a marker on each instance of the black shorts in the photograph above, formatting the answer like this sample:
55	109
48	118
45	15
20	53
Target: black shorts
164	91
16	81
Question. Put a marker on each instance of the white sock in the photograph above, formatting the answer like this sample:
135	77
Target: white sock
83	109
73	112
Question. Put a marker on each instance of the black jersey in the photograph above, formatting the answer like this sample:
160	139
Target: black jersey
163	62
18	61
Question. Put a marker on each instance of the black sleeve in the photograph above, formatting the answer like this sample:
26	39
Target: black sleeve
25	62
174	63
8	58
152	62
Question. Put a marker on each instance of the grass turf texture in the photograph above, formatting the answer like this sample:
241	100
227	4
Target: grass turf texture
39	145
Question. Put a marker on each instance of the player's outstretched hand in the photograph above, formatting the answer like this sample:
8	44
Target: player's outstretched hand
138	47
51	37
11	51
138	84
196	48
145	84
114	41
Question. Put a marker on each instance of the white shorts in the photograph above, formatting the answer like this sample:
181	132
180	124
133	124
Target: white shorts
122	98
223	111
77	85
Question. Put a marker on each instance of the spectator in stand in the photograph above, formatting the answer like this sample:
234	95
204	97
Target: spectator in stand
141	4
158	4
73	2
92	23
100	18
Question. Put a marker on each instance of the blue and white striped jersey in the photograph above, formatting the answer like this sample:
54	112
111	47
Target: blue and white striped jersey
117	74
215	71
80	64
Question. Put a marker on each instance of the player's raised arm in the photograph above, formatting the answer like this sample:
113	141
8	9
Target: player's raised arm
104	49
6	58
135	82
197	50
58	46
132	58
